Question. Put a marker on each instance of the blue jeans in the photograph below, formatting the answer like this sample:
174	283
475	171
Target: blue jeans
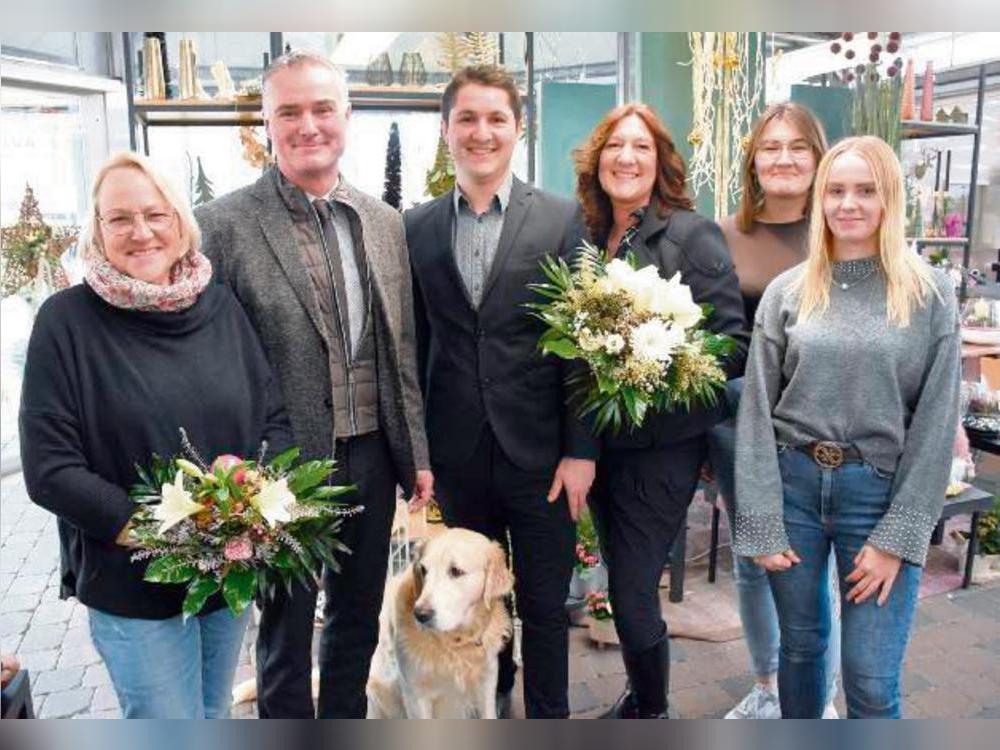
169	669
838	508
757	611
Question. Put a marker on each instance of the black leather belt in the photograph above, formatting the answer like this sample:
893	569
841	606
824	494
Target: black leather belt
831	455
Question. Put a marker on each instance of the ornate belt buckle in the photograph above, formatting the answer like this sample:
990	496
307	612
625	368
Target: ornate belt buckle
828	455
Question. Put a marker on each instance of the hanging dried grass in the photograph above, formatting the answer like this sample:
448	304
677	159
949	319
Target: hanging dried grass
727	85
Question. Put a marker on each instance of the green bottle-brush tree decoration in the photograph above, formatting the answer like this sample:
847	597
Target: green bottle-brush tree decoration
393	187
202	186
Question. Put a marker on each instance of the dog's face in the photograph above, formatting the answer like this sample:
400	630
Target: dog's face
457	571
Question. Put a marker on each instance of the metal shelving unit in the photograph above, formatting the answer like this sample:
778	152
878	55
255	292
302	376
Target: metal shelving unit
919	129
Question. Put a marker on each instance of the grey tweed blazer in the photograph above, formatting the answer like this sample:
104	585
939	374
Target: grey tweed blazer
249	238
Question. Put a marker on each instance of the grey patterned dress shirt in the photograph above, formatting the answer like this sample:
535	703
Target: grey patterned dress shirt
476	238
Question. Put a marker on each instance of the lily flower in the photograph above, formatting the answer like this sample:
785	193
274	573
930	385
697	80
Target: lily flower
274	502
176	504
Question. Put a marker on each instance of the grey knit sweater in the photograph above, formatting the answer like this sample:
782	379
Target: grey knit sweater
848	376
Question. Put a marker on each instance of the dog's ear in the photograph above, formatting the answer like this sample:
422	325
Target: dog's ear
418	576
499	581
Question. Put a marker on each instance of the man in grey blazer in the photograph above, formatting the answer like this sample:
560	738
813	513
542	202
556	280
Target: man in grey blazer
510	458
323	273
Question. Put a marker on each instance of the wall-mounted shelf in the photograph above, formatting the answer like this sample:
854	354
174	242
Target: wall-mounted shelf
914	129
951	241
246	110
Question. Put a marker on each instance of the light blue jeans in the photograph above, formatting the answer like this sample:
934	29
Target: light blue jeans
169	669
757	610
837	508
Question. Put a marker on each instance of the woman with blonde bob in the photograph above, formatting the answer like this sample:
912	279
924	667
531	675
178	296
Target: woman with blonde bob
844	433
115	367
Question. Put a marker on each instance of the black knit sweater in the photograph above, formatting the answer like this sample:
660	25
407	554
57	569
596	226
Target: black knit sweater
105	389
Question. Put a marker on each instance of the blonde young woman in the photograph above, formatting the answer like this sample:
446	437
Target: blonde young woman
767	235
115	367
845	431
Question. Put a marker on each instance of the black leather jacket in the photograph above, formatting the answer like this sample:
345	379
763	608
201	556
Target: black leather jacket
687	242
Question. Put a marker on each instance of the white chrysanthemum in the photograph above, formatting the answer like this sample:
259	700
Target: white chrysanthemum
614	343
619	275
673	299
175	504
654	341
274	502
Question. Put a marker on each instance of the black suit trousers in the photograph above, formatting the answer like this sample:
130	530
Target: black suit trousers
490	494
639	501
353	601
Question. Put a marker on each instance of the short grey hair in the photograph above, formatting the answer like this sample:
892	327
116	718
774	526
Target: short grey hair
298	58
190	234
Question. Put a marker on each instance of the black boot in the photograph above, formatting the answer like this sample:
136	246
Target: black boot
645	695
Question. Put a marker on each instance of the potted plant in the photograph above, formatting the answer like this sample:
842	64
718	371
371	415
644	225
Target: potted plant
600	621
986	565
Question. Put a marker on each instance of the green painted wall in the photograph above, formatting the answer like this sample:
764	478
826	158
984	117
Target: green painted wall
831	104
665	85
569	111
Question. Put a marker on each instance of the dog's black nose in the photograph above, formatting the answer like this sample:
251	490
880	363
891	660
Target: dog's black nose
423	616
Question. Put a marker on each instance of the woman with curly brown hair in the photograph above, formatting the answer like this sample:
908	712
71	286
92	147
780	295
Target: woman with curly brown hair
631	184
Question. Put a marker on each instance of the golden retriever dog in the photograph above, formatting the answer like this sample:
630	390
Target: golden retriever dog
443	622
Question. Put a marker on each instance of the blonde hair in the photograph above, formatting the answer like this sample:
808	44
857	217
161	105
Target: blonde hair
909	280
189	232
811	130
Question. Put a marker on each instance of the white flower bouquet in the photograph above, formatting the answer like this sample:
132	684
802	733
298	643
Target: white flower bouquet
239	526
638	333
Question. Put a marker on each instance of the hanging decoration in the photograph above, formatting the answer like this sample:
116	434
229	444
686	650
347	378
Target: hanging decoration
30	262
254	150
727	79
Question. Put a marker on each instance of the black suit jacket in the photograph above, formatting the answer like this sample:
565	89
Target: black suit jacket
483	367
687	242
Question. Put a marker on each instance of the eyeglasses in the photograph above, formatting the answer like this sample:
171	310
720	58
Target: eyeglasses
798	151
122	224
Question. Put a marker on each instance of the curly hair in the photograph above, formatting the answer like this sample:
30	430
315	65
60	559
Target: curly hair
669	188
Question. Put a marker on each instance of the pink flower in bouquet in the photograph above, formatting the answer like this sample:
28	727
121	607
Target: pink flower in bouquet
238	549
226	462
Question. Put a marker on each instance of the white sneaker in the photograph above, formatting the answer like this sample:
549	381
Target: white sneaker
830	712
759	703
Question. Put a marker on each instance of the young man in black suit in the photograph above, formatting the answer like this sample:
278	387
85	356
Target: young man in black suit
507	454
